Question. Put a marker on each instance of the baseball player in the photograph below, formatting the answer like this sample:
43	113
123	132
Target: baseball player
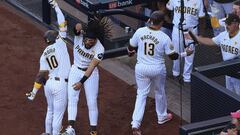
193	10
221	23
229	41
55	64
88	52
150	69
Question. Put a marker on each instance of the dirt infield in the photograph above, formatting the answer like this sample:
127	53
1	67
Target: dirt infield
20	50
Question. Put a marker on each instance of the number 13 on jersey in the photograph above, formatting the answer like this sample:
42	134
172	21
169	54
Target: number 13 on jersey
149	48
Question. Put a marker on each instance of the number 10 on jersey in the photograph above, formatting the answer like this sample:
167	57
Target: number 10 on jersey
52	62
149	49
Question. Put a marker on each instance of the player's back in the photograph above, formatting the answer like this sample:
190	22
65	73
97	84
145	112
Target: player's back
56	59
151	46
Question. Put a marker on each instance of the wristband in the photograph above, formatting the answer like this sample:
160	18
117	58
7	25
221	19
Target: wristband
183	54
37	85
84	78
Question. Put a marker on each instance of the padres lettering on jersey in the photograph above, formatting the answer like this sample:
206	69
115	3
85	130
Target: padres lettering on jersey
187	10
193	9
83	56
230	47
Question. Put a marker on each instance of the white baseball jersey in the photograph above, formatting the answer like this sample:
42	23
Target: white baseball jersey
230	47
82	59
55	59
83	56
150	70
152	45
193	9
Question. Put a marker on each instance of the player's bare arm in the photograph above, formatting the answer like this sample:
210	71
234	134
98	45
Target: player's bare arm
62	23
88	72
39	81
205	41
200	39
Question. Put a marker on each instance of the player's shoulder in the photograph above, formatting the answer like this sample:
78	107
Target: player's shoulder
224	33
77	38
163	35
142	29
49	47
99	46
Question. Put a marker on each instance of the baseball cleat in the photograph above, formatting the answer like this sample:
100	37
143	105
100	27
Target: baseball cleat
136	131
166	119
93	133
69	131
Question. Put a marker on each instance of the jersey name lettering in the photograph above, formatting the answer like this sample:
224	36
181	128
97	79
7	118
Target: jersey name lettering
84	54
187	10
154	39
230	49
49	51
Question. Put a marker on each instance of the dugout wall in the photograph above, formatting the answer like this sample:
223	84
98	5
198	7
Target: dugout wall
211	102
210	99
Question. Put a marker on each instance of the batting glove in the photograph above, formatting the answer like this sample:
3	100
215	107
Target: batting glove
30	96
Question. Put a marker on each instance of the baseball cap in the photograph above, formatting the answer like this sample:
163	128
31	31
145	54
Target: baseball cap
91	34
235	114
232	18
156	17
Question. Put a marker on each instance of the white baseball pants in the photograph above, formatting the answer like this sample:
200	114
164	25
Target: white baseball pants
179	47
147	75
91	90
233	84
56	95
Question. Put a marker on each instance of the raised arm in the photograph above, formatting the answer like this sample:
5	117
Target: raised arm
62	24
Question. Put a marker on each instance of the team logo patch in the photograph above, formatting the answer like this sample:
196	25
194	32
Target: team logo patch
100	56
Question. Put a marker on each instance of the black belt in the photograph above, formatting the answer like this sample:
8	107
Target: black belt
58	79
185	30
83	69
